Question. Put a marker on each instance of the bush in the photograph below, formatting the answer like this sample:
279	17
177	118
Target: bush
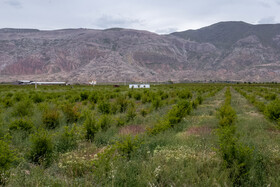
67	140
7	102
84	96
127	145
137	96
143	112
94	97
227	115
91	127
105	122
22	124
120	122
184	94
131	114
23	108
71	112
123	103
104	107
7	157
273	110
51	118
41	148
37	98
156	103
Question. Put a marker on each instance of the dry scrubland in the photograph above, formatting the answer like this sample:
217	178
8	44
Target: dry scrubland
171	135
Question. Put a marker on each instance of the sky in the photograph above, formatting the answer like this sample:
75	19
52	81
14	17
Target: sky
160	16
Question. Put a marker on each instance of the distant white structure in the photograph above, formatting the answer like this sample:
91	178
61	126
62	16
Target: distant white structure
48	83
139	86
26	82
92	83
23	82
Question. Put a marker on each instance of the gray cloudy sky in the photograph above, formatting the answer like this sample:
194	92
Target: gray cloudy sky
161	16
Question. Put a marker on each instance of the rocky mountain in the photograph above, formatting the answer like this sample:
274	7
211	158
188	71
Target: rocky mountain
224	51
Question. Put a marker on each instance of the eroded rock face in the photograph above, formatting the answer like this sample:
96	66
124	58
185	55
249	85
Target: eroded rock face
80	55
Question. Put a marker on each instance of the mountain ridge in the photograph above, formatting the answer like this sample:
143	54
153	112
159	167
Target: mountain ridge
217	52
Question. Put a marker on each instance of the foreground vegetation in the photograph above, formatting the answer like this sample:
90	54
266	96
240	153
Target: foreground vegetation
181	134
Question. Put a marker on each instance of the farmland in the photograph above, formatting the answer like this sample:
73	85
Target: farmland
177	134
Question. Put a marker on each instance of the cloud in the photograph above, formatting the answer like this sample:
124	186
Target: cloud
166	31
267	20
14	3
108	21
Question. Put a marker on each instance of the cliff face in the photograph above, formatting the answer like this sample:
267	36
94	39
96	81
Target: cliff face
224	51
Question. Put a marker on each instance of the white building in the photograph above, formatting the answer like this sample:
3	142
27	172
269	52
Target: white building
139	86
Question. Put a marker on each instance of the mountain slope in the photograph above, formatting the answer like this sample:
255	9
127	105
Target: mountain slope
223	51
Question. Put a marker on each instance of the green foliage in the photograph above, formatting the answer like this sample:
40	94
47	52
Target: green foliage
131	113
105	122
273	110
51	118
7	102
104	107
120	122
184	94
94	97
123	103
22	125
91	127
199	99
71	112
37	98
137	96
227	115
143	112
156	103
23	108
41	148
127	145
7	157
67	139
84	96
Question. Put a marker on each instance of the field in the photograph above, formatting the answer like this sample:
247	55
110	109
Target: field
169	135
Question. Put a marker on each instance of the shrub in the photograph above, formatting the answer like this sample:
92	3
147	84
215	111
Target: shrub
104	107
143	112
41	148
7	102
71	112
127	145
7	157
67	140
120	122
156	103
131	114
91	127
105	122
51	118
184	94
123	103
84	96
270	96
227	115
176	114
199	99
23	108
137	96
273	110
37	98
22	124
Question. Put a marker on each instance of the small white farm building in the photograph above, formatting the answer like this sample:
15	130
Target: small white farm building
139	86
